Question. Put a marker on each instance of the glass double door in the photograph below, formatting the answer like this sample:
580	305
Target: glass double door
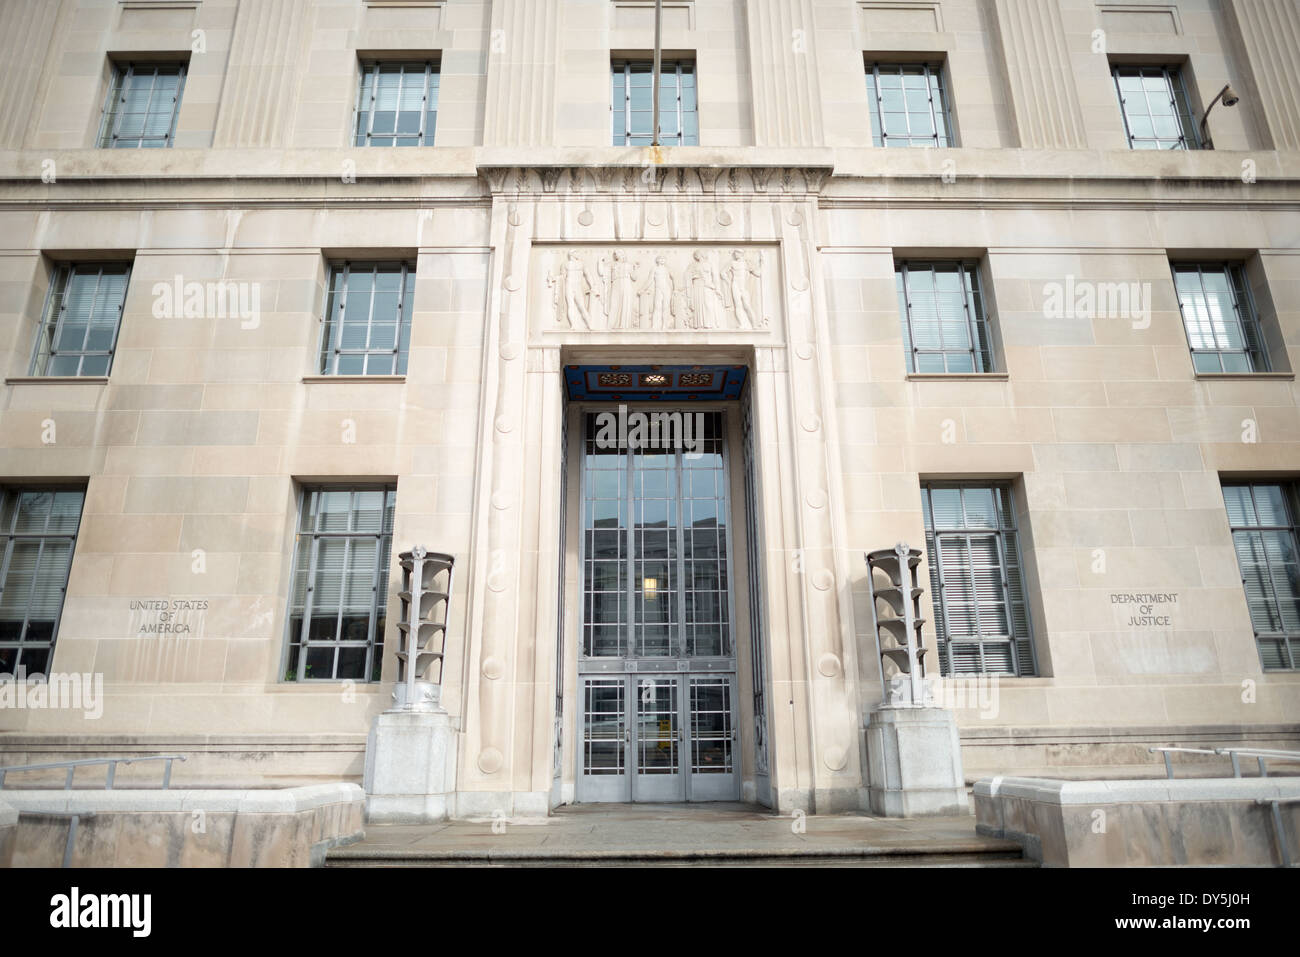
657	657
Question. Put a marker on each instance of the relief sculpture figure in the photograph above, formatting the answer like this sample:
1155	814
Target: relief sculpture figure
704	298
571	288
622	298
736	276
659	289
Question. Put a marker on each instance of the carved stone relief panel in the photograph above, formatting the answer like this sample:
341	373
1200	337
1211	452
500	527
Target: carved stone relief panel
684	288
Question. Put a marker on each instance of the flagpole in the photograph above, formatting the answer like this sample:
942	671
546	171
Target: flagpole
659	16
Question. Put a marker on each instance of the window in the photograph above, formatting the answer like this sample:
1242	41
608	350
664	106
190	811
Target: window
38	529
1156	112
1219	315
83	311
908	105
945	328
976	585
340	594
143	102
397	104
367	329
632	101
1263	521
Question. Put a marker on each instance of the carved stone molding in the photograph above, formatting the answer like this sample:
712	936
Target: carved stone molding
630	288
768	181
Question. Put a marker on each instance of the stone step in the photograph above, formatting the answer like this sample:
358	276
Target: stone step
981	856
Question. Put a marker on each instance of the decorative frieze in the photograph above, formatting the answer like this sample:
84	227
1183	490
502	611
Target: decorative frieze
655	288
771	181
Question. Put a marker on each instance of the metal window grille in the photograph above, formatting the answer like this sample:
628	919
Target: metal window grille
1157	115
367	324
632	103
909	106
654	527
1220	318
38	533
339	598
976	580
1264	534
144	100
945	325
397	104
83	312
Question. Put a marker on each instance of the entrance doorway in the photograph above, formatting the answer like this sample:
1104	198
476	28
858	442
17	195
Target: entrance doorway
657	673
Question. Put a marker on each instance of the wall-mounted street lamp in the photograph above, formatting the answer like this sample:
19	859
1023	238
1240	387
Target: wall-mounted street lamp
1230	98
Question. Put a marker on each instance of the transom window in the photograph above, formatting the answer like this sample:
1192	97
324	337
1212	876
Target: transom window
945	327
908	105
338	605
397	104
143	102
367	328
38	530
1263	521
83	312
1219	315
977	587
632	101
1157	115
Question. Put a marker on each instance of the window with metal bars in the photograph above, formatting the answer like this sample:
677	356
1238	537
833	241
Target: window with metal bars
143	102
1157	114
909	106
367	325
337	607
1264	533
945	325
38	532
632	103
1220	318
976	580
397	103
83	312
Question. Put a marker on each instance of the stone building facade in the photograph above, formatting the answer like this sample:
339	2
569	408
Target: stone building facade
1076	352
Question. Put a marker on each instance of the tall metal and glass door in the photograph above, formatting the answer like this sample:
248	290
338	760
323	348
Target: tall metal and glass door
657	657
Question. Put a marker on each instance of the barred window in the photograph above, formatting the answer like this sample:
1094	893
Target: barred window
1263	521
909	106
945	326
1157	115
143	102
976	583
397	104
83	312
38	530
1219	315
367	327
632	102
340	584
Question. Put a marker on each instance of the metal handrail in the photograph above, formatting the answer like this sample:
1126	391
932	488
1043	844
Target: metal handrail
82	762
1279	826
1234	754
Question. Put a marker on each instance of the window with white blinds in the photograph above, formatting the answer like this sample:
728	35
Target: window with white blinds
397	104
945	326
83	312
38	530
976	580
1263	521
367	329
340	584
1220	318
144	100
1157	113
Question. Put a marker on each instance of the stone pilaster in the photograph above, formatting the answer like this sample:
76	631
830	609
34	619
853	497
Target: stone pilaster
522	68
267	54
786	94
1269	34
1040	79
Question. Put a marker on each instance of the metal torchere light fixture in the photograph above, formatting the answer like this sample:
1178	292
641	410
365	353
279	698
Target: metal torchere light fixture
898	637
426	610
1230	98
